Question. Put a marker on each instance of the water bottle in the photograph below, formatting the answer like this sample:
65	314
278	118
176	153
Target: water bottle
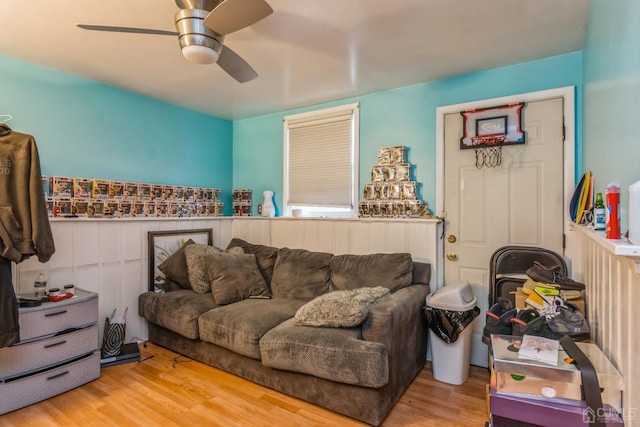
613	211
599	213
40	286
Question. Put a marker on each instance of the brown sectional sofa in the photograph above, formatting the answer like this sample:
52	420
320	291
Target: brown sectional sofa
359	371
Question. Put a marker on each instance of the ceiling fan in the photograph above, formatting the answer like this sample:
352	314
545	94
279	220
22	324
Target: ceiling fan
201	26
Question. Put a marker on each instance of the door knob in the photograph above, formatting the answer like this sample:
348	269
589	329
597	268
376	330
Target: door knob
452	256
451	238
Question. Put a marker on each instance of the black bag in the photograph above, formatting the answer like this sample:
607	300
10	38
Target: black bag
114	331
448	324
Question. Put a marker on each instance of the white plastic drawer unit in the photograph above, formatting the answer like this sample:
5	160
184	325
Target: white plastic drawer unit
51	318
37	354
23	391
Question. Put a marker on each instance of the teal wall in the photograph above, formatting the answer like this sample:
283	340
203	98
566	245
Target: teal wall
404	116
86	129
612	96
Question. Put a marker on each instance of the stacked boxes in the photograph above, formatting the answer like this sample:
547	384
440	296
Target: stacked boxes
97	198
241	200
391	192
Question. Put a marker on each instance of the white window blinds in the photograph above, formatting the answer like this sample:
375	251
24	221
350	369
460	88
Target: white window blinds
321	158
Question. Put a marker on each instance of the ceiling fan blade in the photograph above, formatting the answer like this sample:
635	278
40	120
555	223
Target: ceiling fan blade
235	66
126	30
233	15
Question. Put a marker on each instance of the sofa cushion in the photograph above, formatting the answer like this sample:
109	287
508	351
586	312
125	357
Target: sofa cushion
340	309
265	256
301	274
177	311
334	354
392	271
234	277
239	326
175	267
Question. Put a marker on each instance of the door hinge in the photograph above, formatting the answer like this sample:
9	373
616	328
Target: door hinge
564	132
564	241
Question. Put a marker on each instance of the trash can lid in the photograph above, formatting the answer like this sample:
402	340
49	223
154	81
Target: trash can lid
455	297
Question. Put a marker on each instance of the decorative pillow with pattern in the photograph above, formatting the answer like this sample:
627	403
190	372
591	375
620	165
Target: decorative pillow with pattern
340	309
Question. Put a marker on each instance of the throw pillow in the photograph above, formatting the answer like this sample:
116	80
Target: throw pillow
265	255
340	309
301	274
195	256
234	277
175	267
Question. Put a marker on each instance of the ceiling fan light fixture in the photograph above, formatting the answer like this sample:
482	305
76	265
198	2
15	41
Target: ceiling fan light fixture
200	54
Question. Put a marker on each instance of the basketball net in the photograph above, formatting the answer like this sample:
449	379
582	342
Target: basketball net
488	149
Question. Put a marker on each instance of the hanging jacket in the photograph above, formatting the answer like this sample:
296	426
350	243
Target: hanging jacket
24	222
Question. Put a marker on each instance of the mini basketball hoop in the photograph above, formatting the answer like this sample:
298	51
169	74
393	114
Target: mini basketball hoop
488	149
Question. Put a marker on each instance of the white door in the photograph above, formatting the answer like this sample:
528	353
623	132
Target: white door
519	202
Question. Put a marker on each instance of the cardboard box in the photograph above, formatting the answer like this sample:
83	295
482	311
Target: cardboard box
521	298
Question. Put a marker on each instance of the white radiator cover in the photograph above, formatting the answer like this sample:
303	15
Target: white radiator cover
613	300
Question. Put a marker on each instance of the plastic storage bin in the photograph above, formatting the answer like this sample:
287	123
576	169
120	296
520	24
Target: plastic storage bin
451	360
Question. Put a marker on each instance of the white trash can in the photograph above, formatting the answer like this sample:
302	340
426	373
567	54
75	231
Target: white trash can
451	361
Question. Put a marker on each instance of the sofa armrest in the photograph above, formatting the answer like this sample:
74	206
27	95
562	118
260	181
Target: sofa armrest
398	322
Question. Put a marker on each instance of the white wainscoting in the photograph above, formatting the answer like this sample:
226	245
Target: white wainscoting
110	257
613	299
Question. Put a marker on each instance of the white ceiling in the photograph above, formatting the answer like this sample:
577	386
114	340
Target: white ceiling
307	52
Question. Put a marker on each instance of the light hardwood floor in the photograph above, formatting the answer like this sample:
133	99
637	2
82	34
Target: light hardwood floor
171	390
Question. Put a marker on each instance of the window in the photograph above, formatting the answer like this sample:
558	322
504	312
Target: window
321	162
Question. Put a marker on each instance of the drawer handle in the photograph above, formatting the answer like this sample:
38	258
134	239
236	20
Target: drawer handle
55	313
53	344
52	377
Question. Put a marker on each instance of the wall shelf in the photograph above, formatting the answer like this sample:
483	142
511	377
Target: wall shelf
620	247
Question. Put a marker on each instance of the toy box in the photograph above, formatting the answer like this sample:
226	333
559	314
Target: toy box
112	208
157	191
138	208
116	190
168	192
81	188
144	192
95	208
242	196
124	208
79	206
61	206
162	209
178	193
99	189
189	194
45	185
49	203
61	187
131	190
